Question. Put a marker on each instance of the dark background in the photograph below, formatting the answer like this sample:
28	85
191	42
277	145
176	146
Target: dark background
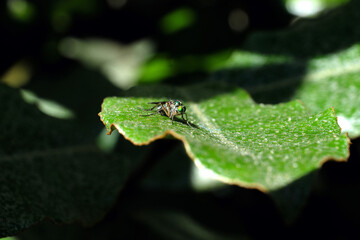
145	210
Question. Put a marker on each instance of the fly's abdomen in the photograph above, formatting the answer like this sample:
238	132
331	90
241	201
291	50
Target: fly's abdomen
161	111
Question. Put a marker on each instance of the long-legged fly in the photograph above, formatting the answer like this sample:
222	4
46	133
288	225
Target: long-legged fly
170	109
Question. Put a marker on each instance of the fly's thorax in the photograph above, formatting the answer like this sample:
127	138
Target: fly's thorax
177	108
176	102
170	109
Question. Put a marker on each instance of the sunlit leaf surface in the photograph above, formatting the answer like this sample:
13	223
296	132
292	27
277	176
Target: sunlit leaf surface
233	138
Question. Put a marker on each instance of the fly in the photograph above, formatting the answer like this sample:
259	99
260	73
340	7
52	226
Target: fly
170	109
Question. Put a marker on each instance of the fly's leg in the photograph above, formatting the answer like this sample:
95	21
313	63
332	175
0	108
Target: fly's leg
170	110
154	107
172	115
148	114
167	112
187	122
150	109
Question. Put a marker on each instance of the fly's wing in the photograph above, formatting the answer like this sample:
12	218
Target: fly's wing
157	102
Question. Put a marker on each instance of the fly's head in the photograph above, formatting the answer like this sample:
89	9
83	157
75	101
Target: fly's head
178	107
181	109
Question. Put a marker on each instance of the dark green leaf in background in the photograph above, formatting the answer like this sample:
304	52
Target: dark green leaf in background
318	62
53	168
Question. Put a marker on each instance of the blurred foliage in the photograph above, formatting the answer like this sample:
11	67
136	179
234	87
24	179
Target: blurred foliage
311	7
21	10
66	56
177	20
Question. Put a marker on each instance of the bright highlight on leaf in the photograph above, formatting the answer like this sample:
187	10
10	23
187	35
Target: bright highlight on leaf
239	141
306	8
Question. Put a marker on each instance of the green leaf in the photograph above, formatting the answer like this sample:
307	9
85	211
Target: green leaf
333	81
319	65
52	168
323	82
233	138
177	20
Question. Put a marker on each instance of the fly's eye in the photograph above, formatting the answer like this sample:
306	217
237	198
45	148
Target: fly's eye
182	109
